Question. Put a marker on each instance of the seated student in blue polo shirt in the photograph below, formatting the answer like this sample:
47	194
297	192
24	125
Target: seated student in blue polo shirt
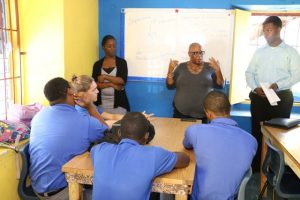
58	133
126	171
86	92
223	151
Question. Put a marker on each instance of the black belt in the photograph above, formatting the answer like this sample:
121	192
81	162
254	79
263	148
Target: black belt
49	194
283	91
277	92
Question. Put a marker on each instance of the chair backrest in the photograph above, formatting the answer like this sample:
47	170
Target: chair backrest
241	193
283	180
273	166
25	192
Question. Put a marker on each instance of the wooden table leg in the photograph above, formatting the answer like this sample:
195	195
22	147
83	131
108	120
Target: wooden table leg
75	191
181	197
262	176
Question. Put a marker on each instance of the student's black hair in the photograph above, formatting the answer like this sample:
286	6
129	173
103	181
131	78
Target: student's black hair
134	125
56	89
276	21
106	38
217	102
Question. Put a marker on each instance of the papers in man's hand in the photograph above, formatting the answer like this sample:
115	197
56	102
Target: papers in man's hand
270	94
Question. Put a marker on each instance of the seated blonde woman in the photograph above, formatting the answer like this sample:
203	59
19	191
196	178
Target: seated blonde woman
85	92
85	89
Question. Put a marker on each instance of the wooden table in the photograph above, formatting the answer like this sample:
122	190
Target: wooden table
285	140
169	134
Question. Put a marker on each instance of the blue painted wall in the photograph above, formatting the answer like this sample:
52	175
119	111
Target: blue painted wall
152	95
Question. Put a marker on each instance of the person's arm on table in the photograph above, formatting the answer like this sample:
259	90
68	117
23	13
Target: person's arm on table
109	116
183	160
94	113
186	140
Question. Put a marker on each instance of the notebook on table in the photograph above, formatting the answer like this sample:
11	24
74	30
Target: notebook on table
285	123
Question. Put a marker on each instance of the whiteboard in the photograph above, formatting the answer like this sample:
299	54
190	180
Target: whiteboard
153	36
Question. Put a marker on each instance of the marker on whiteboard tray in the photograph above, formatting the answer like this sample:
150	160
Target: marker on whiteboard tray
150	115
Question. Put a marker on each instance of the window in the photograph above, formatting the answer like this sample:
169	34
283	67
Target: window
10	63
290	33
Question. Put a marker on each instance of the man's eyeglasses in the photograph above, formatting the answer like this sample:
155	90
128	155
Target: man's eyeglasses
197	53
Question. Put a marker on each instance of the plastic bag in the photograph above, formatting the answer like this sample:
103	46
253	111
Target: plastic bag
23	113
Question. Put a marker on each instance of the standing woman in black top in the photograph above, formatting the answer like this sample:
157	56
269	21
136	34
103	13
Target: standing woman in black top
110	74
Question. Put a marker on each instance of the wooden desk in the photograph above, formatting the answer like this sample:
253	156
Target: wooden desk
285	140
169	134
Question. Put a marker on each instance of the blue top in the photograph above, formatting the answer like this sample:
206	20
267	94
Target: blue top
85	111
274	65
58	133
223	154
126	171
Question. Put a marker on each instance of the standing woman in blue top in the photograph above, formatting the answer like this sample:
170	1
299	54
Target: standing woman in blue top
110	73
193	80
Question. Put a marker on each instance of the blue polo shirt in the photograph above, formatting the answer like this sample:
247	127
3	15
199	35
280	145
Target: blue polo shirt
85	111
223	154
126	171
58	133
